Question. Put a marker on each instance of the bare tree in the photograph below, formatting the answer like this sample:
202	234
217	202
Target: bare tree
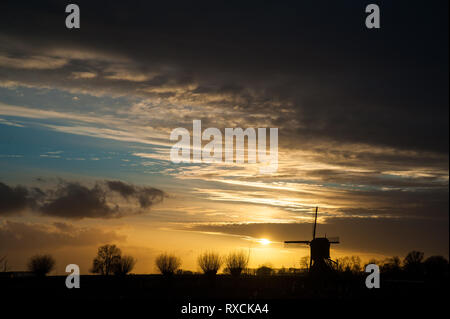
349	264
413	265
41	265
167	264
413	258
236	262
391	265
304	263
209	262
124	265
4	264
107	257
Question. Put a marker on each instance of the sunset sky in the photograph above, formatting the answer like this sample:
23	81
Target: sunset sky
86	115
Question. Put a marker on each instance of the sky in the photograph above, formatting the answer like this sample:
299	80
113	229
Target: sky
86	116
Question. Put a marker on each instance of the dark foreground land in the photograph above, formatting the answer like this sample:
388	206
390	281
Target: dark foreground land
285	295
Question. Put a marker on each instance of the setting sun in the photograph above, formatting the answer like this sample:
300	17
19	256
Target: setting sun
264	241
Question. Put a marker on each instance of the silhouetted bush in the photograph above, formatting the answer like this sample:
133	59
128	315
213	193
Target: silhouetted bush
412	263
349	264
41	265
167	264
236	262
391	265
209	262
413	258
107	258
4	264
436	267
282	271
264	271
123	265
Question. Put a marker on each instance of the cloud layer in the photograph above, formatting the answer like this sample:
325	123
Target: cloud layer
17	236
72	200
234	66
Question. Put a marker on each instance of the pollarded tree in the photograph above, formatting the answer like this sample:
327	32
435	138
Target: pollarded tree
236	262
41	265
167	264
107	257
209	262
413	258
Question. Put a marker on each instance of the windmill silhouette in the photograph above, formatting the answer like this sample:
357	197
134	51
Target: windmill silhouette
319	258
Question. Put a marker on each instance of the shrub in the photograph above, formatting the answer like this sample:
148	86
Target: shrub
4	264
209	262
167	264
124	265
349	264
236	262
436	267
41	265
412	263
264	271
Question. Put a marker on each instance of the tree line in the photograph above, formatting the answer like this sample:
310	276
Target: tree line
110	261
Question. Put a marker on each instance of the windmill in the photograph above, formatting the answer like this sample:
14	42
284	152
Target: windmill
320	249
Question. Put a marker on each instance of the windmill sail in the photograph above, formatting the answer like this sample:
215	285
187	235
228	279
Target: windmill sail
315	224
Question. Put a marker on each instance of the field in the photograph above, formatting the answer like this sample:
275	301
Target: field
283	294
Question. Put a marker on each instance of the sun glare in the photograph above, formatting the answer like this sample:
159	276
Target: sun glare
264	241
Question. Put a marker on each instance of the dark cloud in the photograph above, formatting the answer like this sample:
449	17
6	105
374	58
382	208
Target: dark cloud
337	80
146	196
15	199
75	201
72	200
122	188
12	199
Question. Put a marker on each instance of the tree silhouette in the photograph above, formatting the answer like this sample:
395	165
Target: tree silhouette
264	270
167	264
436	267
3	264
413	258
236	262
393	263
412	264
209	262
123	265
107	258
41	265
304	263
349	264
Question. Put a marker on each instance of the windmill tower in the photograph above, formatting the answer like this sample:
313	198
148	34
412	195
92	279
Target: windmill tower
320	249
